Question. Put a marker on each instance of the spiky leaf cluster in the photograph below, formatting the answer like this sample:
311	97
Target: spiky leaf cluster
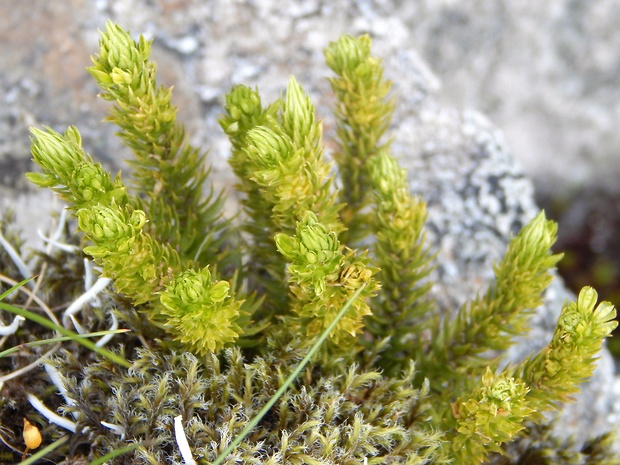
278	157
168	172
140	264
198	308
363	115
489	416
556	371
401	312
489	321
324	277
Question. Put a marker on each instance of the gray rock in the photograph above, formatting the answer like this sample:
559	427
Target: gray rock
546	71
477	198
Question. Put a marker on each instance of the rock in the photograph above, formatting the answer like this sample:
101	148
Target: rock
544	71
477	197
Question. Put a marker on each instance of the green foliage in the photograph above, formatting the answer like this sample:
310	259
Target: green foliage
484	323
167	171
222	313
194	304
401	312
278	156
363	115
491	415
324	277
555	372
337	414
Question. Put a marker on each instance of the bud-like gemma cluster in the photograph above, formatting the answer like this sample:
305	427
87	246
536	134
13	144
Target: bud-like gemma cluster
111	227
201	311
243	110
491	414
347	53
313	253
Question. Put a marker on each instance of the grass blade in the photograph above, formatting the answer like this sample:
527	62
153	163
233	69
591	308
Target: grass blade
43	452
115	453
65	332
54	340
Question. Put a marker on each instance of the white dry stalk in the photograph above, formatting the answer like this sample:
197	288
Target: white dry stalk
13	327
55	378
116	429
54	239
105	339
82	300
19	263
59	230
52	417
78	327
92	296
186	452
59	245
31	366
89	276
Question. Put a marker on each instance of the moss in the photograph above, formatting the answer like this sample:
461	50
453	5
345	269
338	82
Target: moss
222	314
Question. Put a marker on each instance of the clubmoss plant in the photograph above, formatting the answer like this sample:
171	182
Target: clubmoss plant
222	310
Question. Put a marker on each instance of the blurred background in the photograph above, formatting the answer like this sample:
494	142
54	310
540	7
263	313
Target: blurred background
546	73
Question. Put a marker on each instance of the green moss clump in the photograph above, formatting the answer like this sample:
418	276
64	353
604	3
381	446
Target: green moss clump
223	311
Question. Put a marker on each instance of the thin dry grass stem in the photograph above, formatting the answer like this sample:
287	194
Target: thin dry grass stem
32	297
31	366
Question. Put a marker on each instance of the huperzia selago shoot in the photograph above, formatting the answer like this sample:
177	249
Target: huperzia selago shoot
223	309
